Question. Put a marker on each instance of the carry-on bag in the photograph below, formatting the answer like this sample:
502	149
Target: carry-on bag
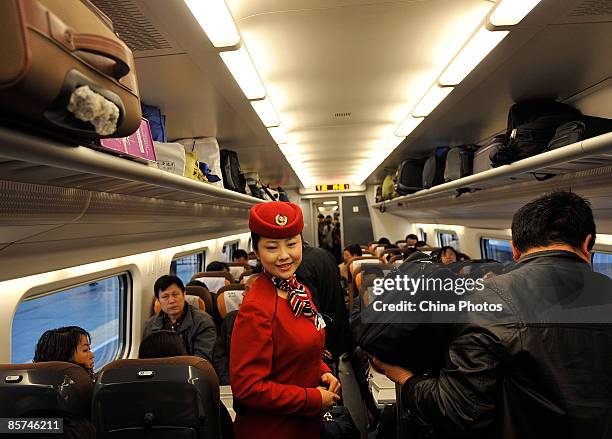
388	188
233	179
433	170
459	162
138	146
482	160
170	157
206	150
531	126
157	122
65	72
577	130
409	176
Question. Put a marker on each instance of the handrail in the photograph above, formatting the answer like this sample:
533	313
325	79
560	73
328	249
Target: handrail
25	147
585	148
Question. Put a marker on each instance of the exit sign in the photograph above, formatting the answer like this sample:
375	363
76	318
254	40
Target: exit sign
332	187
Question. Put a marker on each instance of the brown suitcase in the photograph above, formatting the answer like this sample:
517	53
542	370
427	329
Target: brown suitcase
48	49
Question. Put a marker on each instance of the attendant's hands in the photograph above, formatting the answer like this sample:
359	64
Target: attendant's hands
331	383
328	399
396	374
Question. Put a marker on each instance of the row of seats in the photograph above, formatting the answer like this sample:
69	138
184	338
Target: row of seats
175	397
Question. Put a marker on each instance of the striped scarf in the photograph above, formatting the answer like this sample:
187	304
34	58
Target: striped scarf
298	297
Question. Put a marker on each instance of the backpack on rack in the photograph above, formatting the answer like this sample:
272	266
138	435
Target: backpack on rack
433	170
459	162
157	122
531	126
233	179
409	176
282	194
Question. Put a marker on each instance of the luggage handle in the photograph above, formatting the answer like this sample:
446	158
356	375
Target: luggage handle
107	48
45	22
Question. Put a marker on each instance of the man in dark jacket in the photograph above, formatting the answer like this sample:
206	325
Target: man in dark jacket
543	368
195	327
319	272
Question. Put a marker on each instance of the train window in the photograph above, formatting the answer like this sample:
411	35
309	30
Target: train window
99	307
422	235
498	249
228	250
187	265
448	239
602	263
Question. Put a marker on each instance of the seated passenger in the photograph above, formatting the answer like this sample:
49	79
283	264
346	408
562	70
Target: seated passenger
69	343
162	344
420	245
384	241
350	252
195	327
411	240
448	255
240	256
540	367
217	266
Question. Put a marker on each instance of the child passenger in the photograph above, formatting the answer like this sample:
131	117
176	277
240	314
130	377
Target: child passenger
69	343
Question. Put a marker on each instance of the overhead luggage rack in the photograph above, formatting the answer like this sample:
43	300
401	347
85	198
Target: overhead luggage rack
30	159
578	157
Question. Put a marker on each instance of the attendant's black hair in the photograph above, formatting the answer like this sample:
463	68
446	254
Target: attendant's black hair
255	238
217	266
420	244
556	218
59	344
165	282
384	241
162	344
239	253
411	236
354	249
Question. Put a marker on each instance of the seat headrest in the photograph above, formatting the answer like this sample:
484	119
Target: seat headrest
48	386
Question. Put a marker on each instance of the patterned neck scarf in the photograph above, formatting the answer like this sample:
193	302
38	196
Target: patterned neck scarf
298	298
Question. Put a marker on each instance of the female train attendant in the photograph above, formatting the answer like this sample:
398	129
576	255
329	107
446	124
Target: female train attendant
279	382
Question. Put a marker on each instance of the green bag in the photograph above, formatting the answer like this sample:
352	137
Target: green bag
388	188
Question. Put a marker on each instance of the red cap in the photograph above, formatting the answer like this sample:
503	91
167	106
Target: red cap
276	219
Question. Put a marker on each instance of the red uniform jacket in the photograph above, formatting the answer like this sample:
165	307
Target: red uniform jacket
275	367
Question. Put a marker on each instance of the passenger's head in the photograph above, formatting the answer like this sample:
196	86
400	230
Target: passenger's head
351	251
384	241
420	244
162	344
69	343
217	266
276	233
320	217
448	255
170	292
561	220
241	256
411	240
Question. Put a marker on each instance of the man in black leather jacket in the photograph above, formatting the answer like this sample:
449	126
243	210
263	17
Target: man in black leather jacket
543	369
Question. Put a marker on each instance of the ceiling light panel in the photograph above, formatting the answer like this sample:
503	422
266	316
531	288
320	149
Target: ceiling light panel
408	126
266	112
434	96
511	12
279	134
216	21
242	69
477	48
